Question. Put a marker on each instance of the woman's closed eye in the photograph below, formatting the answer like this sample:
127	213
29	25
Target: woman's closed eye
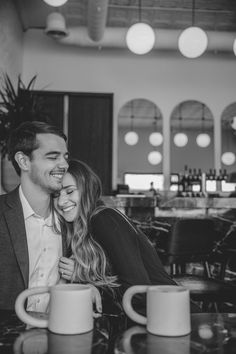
70	191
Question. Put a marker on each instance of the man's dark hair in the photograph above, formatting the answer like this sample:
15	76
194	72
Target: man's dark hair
23	138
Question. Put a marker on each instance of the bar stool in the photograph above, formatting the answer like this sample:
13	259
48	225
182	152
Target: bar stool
190	241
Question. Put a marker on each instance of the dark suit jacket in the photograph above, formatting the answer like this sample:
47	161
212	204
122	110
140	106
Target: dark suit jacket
14	257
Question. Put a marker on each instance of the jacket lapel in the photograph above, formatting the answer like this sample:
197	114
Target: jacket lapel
16	225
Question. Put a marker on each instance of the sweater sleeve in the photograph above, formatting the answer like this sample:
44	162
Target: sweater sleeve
120	243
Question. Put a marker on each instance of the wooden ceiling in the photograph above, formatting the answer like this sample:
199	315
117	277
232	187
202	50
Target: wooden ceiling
214	15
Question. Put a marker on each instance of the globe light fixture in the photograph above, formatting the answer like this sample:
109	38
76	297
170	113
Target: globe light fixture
131	138
180	139
193	40
55	3
154	157
234	47
233	123
155	139
203	140
140	38
228	158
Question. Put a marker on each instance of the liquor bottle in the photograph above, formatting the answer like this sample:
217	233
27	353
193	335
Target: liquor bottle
210	175
195	175
214	174
225	176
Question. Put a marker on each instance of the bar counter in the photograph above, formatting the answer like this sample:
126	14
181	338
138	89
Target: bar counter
211	333
146	206
18	338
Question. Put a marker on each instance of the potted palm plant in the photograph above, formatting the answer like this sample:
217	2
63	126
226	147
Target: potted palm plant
17	104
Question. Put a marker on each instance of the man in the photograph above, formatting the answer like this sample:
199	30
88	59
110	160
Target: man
29	247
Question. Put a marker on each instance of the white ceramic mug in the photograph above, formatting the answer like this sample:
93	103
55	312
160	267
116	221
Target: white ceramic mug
70	308
168	309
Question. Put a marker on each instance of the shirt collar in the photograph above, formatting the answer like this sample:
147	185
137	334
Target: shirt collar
28	211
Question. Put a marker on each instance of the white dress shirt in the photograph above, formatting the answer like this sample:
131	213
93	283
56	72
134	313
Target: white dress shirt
45	250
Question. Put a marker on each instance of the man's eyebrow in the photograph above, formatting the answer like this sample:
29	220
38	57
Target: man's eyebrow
56	153
52	153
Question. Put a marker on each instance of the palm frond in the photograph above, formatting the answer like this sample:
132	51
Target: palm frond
17	104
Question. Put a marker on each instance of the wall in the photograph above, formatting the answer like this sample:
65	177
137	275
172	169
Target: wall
11	44
11	40
166	79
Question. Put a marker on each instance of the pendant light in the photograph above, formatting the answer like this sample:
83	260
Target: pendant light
154	157
180	139
193	40
56	26
140	37
55	3
233	123
203	140
155	138
234	47
228	158
131	137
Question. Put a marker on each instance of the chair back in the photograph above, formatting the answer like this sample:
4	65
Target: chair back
191	237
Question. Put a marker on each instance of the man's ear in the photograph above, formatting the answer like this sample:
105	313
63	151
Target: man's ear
22	160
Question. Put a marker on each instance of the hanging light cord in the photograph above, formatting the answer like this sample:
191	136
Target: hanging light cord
140	10
180	117
203	118
193	13
132	117
155	121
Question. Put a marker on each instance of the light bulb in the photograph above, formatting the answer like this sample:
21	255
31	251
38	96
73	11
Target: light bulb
233	123
180	139
192	42
228	158
140	38
154	157
55	3
131	138
203	140
155	139
234	47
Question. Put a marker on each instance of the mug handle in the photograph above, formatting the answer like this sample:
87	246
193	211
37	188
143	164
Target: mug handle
128	308
20	309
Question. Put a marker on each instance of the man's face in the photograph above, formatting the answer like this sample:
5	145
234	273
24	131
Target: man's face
48	162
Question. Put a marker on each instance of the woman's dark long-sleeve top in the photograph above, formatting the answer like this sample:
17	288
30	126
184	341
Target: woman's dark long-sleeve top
132	257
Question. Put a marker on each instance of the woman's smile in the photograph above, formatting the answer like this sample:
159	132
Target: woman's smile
67	200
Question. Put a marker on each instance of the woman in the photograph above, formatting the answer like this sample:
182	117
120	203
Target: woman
107	250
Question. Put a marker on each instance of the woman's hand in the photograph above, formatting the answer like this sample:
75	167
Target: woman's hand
66	268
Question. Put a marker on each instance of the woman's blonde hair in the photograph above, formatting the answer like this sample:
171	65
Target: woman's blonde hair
91	263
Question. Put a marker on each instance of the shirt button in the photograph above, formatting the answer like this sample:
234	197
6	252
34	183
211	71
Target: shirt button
45	249
41	275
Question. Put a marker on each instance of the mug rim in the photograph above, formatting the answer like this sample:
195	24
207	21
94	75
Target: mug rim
70	287
168	288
